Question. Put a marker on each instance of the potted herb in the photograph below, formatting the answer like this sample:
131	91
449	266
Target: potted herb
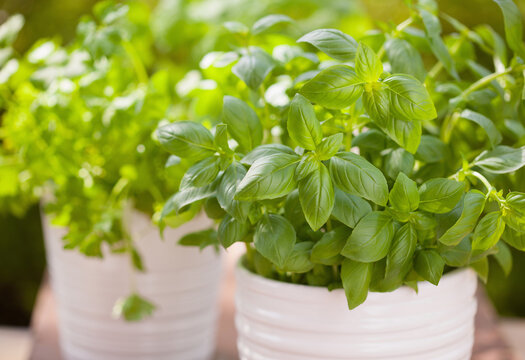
356	184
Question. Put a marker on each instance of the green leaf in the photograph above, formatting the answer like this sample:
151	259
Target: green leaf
488	231
514	238
199	238
316	193
371	239
514	211
231	231
226	192
187	139
376	101
490	129
333	43
473	206
10	28
269	21
307	165
356	278
133	308
409	99
220	138
513	26
482	268
397	161
503	159
303	126
404	195
201	174
431	149
336	87
440	195
429	265
349	209
326	250
243	123
292	209
253	67
188	196
368	66
399	259
269	177
405	59
353	174
213	209
265	150
275	238
458	255
504	257
406	133
299	259
329	146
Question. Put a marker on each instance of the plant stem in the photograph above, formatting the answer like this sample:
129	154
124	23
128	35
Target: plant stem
399	28
484	81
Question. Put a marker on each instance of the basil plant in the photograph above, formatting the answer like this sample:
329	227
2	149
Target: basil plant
351	179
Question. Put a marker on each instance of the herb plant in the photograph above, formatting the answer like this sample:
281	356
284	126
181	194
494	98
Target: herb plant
370	172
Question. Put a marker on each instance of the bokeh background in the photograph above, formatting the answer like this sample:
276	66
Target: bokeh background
184	30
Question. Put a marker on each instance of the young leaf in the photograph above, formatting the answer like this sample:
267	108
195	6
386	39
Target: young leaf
306	166
504	257
329	247
231	231
329	146
440	195
299	259
333	43
473	206
370	241
186	139
513	26
316	193
429	265
269	21
265	150
399	259
336	87
488	231
353	174
243	123
201	174
349	209
409	99
227	188
133	308
253	67
356	278
503	159
269	177
404	195
368	66
490	129
405	59
274	238
303	126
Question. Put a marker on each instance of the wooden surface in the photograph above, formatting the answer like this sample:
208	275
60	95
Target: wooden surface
489	342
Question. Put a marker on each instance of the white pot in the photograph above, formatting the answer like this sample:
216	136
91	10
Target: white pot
182	282
282	321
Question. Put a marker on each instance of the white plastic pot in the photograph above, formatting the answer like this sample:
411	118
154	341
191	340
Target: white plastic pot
282	321
182	282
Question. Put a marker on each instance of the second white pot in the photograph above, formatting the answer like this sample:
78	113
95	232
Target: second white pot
182	282
282	321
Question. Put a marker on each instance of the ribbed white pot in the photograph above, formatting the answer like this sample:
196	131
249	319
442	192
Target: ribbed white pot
182	282
282	321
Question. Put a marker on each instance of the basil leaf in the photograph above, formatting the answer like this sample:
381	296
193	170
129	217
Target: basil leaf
399	259
440	195
227	188
368	66
514	238
429	265
133	308
488	231
409	99
356	278
201	239
376	101
490	129
299	259
327	250
265	150
329	146
220	139
243	124
336	87
333	43
186	139
353	174
482	268
316	194
504	257
404	195
274	238
292	209
306	166
458	255
213	209
503	159
398	161
188	196
269	21
405	133
253	67
201	174
371	139
269	177
231	231
431	149
473	206
303	126
370	241
514	213
405	59
349	209
513	26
